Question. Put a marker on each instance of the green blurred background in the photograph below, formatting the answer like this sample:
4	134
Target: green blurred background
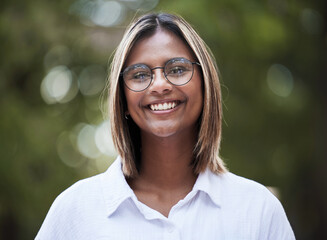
54	62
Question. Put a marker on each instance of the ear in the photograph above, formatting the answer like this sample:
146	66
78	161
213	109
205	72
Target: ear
126	114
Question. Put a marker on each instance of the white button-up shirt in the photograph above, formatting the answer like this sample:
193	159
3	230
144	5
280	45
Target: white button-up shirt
222	206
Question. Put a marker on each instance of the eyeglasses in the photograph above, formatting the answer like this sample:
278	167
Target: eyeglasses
177	71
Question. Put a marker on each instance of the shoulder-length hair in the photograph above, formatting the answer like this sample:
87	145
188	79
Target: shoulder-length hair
126	134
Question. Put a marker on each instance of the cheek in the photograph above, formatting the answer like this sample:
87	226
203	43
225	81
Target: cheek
132	99
198	90
128	98
199	93
195	95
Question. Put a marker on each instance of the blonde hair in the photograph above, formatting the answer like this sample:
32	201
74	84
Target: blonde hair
126	134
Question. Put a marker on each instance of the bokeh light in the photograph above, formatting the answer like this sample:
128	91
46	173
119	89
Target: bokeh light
57	86
66	150
312	21
103	139
280	80
101	12
95	141
108	13
86	141
91	80
56	56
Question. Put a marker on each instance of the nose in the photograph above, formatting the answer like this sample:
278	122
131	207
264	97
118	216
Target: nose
159	84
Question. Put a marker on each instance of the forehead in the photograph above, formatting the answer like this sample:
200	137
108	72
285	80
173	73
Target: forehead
157	48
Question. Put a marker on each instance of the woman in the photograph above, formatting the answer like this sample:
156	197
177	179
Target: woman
168	181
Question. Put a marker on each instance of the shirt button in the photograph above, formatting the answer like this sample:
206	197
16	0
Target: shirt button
170	229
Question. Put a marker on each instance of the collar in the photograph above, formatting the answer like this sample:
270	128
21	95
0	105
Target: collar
115	188
211	184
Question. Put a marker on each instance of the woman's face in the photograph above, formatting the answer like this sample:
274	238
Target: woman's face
180	106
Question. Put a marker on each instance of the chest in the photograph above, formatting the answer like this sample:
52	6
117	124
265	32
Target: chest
196	219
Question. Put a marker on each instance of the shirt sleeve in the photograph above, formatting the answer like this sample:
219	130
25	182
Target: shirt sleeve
277	225
65	216
55	225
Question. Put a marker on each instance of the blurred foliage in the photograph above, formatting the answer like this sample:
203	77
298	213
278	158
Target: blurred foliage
272	59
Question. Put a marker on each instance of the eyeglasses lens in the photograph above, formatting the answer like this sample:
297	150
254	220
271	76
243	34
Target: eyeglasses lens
177	71
137	77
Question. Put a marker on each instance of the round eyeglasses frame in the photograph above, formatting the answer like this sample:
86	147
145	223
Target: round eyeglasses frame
164	72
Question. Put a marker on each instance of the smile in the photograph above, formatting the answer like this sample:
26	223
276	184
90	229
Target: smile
163	106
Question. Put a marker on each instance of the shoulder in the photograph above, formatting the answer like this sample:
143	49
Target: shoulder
249	195
71	212
67	211
81	191
234	185
89	191
238	181
253	203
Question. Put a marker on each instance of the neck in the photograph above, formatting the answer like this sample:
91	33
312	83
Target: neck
166	175
166	162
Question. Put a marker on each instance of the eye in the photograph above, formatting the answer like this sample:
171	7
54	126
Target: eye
141	76
137	73
177	70
178	67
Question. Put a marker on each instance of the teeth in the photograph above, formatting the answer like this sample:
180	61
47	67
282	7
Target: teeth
163	106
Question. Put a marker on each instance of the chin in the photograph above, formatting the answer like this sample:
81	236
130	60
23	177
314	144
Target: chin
162	131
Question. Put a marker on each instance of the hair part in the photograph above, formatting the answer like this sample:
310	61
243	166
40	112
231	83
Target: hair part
126	134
